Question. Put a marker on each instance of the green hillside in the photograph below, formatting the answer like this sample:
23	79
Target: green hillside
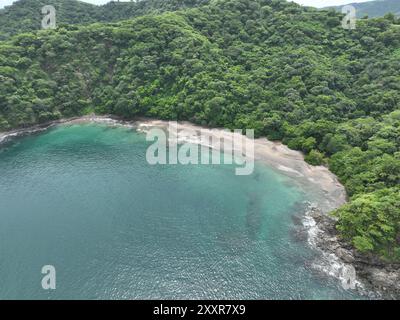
291	73
25	15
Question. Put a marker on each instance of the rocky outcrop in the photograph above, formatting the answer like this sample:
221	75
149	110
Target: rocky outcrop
372	276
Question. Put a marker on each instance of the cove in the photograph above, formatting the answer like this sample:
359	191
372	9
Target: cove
83	198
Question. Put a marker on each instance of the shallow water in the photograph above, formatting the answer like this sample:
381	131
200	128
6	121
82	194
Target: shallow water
83	199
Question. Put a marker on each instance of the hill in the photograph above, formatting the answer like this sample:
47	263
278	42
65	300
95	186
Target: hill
291	73
377	8
25	15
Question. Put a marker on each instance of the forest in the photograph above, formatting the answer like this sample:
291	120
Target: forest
23	15
291	73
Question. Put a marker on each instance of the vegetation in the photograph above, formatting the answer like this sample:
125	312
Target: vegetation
372	221
291	73
25	15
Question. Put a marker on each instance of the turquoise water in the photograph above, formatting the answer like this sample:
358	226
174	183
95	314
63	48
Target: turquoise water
83	199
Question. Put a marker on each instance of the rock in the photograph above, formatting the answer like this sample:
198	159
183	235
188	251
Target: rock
379	279
385	279
344	254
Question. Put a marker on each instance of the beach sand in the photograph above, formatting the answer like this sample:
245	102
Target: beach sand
276	155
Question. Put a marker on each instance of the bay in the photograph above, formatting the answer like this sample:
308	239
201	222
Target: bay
83	198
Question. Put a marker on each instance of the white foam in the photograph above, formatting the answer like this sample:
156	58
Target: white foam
328	262
287	169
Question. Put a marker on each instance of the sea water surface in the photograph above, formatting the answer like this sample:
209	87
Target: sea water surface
83	199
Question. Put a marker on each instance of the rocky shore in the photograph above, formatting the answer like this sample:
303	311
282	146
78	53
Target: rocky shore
9	135
367	274
6	136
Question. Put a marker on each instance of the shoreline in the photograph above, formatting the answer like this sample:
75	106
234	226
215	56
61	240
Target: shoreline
8	135
335	258
275	154
374	279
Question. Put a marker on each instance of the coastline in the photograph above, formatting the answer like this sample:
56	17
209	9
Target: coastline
370	276
275	154
335	259
8	135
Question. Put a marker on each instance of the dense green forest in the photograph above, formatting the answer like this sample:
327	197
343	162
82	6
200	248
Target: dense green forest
377	8
291	73
24	15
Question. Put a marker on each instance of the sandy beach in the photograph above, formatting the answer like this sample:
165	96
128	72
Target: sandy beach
276	155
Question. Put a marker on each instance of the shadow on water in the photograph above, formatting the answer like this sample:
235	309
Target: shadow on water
254	215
